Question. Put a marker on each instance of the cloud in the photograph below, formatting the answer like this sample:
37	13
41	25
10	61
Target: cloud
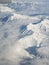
32	47
5	1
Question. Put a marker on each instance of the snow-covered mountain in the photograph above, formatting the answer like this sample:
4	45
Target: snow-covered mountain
24	33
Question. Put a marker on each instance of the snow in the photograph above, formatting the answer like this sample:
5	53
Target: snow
24	38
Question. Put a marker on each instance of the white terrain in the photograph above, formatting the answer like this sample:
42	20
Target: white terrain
24	33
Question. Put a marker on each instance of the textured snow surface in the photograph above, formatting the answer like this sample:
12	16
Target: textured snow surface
24	33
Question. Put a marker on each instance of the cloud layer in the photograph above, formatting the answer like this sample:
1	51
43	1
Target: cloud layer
24	39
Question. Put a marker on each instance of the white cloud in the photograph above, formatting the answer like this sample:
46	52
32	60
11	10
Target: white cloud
12	49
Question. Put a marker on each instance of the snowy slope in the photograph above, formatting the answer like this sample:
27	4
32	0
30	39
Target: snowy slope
24	35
